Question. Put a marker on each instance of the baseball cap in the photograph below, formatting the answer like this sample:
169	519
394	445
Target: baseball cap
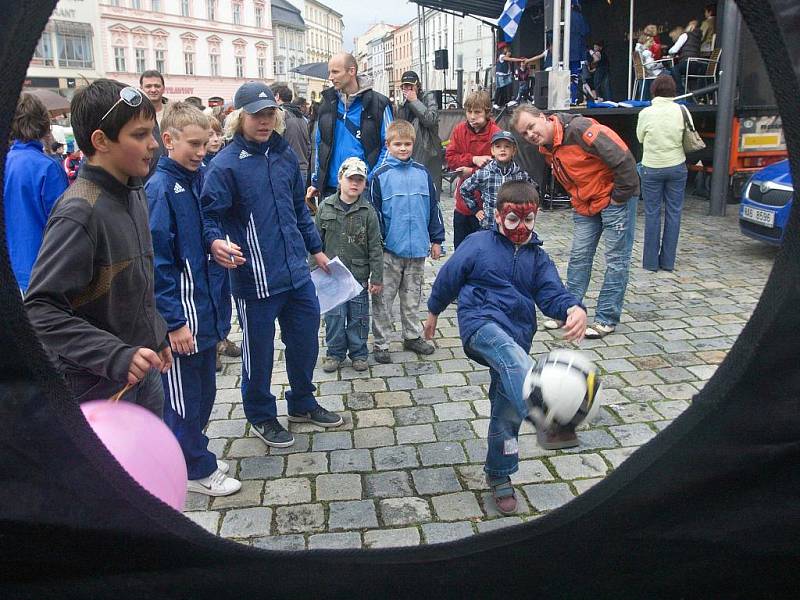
409	77
353	166
503	135
254	96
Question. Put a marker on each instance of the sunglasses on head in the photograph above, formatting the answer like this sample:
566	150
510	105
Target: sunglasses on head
129	95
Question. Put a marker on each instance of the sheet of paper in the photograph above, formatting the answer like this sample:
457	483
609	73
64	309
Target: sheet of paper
336	287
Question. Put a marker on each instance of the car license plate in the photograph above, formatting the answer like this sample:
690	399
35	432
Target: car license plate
757	215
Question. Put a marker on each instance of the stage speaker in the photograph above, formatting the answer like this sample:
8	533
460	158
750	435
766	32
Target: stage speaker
440	60
540	82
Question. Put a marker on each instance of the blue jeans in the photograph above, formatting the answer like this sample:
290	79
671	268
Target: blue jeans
617	223
347	328
508	366
297	312
662	188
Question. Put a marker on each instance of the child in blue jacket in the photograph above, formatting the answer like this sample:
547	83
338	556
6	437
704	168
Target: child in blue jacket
257	224
498	275
184	295
33	183
407	204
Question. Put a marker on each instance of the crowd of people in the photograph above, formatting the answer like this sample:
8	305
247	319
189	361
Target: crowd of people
589	63
129	272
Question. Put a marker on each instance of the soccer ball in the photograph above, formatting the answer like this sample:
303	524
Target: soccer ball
562	387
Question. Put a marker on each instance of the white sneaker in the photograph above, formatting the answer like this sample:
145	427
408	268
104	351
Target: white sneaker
216	484
553	324
223	466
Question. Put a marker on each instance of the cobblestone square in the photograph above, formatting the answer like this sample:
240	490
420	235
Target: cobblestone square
406	467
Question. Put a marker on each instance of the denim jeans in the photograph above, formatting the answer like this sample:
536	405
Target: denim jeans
347	328
617	223
508	366
662	188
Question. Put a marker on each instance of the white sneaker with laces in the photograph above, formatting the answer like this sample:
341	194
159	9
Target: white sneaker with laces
223	466
552	324
216	484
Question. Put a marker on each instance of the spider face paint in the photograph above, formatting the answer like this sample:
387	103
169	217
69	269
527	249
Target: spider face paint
516	221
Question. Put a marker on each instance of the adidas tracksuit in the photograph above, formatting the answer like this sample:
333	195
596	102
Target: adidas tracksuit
184	297
255	194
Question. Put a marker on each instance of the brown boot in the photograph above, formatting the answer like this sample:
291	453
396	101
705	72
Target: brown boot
557	437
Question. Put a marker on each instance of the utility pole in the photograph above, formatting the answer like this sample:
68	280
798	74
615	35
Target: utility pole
729	67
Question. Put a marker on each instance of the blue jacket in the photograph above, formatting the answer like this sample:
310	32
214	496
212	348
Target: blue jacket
255	194
496	282
33	183
346	144
184	294
405	199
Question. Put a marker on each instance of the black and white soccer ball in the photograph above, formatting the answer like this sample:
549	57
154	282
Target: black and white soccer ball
562	388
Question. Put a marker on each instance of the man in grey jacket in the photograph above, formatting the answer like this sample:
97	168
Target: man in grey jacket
296	133
422	112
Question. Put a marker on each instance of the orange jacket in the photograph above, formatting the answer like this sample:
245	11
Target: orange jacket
592	163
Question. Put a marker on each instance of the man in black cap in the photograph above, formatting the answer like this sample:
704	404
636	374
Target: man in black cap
422	112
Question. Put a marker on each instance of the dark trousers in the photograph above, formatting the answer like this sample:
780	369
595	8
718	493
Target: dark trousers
463	225
297	311
148	393
503	95
221	289
190	387
679	73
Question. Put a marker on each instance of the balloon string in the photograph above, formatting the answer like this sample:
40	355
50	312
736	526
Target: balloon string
121	393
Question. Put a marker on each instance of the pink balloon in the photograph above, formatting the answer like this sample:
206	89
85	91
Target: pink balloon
143	445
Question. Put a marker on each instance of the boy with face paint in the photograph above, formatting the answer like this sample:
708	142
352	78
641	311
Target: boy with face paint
484	183
498	276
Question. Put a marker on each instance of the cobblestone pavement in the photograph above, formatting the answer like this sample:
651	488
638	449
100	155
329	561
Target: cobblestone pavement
406	467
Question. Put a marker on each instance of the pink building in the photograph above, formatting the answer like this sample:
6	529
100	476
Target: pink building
204	48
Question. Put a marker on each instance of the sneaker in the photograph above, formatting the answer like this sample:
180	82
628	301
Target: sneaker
382	355
273	434
228	348
330	364
557	437
319	416
419	346
216	484
360	364
553	324
223	466
597	330
505	499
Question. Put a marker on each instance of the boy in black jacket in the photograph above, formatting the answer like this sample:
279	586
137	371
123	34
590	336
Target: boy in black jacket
91	297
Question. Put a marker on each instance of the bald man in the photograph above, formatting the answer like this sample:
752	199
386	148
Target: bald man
352	121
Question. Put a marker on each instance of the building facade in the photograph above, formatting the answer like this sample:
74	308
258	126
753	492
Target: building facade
68	53
469	44
376	71
289	30
324	38
403	59
364	46
204	48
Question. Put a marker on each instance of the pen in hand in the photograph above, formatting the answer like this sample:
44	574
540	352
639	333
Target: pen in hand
228	242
